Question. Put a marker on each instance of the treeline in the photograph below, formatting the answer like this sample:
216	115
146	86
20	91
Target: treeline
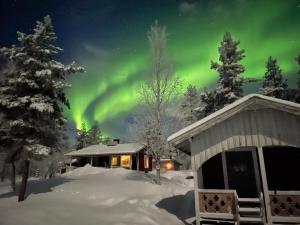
93	136
229	87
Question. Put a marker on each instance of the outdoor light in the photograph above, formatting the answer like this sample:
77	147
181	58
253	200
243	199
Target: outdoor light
169	166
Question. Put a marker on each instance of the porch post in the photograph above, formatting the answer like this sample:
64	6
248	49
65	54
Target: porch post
91	160
264	184
138	161
70	163
196	183
131	161
225	174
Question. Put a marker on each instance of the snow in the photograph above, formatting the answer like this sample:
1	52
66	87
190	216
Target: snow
45	72
92	195
42	107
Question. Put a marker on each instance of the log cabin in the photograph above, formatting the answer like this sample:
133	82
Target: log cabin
129	156
245	159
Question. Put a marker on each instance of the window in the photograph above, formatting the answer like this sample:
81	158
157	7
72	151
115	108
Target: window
126	161
146	162
115	161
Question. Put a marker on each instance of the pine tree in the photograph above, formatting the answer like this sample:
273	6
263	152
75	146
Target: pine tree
229	86
189	104
207	98
82	137
95	135
274	84
32	97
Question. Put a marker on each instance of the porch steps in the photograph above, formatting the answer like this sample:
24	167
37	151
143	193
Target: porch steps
250	210
251	220
249	200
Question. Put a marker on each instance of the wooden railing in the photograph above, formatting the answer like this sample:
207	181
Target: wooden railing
285	206
224	205
218	205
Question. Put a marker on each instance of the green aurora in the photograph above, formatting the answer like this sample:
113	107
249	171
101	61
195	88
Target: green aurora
108	90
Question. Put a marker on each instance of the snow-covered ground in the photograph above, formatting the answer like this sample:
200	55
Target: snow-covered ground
91	195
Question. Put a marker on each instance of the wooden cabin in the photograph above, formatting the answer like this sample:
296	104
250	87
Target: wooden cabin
246	162
129	156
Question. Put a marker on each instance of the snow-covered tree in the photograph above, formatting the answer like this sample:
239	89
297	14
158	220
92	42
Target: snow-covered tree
160	86
207	98
32	97
189	105
230	83
82	137
274	84
229	86
95	135
86	137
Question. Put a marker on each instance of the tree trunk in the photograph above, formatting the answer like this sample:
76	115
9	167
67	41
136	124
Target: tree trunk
3	172
13	176
24	180
157	166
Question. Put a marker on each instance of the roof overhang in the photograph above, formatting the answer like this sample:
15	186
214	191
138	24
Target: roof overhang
102	150
182	138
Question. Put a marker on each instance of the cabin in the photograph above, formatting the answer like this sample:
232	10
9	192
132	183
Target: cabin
131	156
245	159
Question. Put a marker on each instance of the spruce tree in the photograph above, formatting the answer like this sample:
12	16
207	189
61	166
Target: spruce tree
94	135
274	84
82	137
229	86
32	96
189	105
207	98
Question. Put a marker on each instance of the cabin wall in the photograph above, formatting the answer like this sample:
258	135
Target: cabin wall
261	127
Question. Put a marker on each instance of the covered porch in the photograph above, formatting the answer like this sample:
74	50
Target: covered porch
245	159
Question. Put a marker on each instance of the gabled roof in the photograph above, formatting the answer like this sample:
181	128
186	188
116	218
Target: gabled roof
252	101
101	149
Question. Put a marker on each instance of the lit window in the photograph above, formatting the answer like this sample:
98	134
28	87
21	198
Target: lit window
114	161
125	161
146	162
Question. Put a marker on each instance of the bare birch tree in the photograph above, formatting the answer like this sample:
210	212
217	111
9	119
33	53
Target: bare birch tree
157	91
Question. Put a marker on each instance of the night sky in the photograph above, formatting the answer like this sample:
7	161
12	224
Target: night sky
109	38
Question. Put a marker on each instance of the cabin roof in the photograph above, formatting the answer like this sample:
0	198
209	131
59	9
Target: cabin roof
249	102
101	149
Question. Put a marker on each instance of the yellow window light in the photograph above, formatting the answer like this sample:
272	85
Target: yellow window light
126	161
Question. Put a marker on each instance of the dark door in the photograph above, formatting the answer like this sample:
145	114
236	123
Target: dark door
134	162
241	173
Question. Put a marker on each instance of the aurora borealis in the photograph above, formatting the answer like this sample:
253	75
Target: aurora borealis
109	38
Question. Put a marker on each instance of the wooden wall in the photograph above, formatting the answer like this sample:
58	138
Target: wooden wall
260	127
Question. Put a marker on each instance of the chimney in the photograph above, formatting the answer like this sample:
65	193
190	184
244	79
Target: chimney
117	140
113	142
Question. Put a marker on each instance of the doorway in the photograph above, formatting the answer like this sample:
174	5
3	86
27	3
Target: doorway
242	172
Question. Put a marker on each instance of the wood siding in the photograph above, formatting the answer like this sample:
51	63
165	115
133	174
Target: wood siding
261	127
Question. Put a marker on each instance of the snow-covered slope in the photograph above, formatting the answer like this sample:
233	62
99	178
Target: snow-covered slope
90	195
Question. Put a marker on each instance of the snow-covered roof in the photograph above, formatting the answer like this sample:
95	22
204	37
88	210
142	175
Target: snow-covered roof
102	149
252	101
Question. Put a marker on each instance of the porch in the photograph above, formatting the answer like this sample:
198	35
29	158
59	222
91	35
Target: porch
250	185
